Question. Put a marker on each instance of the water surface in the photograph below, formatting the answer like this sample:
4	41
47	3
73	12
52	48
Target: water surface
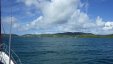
64	50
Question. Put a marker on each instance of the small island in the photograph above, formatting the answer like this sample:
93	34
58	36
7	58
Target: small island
66	34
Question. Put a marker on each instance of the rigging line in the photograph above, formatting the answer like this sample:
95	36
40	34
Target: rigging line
3	28
10	37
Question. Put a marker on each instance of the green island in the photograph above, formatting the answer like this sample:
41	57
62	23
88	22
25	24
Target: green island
66	34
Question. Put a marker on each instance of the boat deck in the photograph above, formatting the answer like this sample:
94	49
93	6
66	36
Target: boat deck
4	58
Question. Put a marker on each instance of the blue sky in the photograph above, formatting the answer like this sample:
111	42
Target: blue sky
53	16
102	8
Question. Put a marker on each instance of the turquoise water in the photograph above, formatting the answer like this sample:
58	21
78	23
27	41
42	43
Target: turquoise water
64	50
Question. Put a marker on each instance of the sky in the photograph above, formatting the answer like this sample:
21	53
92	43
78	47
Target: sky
57	16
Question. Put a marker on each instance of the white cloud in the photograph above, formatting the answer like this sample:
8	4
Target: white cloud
108	26
65	15
99	21
33	24
8	20
29	2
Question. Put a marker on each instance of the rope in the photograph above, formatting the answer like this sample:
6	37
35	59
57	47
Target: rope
3	27
10	41
2	36
10	38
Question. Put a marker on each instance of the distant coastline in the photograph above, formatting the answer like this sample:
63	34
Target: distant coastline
66	34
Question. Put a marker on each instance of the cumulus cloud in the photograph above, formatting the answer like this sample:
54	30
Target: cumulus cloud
6	23
8	20
108	26
65	16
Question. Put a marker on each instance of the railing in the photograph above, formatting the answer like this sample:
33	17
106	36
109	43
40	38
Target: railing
14	56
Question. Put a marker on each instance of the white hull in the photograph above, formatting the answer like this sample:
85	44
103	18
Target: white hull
4	58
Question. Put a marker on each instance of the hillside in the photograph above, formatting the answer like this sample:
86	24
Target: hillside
69	34
66	34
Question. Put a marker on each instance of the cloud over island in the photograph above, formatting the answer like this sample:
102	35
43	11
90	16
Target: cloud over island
64	16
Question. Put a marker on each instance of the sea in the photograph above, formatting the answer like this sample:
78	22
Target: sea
49	50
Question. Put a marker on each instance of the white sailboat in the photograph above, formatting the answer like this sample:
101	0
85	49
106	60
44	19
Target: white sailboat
5	58
7	55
